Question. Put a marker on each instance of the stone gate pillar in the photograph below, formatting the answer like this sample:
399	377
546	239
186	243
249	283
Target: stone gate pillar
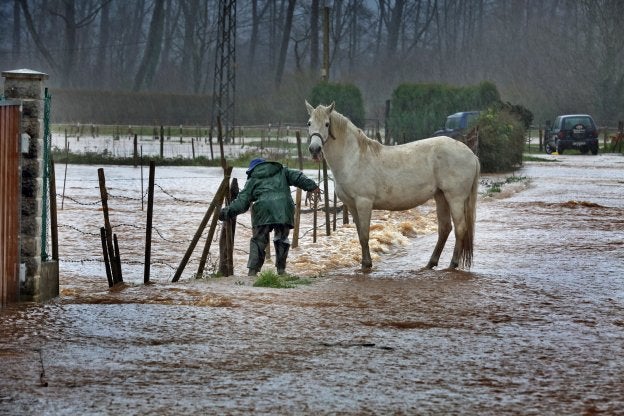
27	86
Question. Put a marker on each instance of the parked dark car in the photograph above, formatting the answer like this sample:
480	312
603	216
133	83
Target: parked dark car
572	131
458	124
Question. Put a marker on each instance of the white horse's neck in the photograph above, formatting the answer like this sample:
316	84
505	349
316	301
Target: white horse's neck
344	150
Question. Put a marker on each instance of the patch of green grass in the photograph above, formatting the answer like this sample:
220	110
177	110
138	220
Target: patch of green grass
271	279
512	179
495	187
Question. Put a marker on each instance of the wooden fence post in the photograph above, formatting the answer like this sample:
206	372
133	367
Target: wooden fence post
53	212
117	258
135	153
326	190
107	265
115	268
295	241
148	227
162	141
335	213
226	239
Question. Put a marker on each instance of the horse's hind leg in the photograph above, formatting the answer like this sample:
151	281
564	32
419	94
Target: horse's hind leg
461	228
444	227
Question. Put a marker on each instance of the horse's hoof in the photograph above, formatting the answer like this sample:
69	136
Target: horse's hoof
366	269
430	265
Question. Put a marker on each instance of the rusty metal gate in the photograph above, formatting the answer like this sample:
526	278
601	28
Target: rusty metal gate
10	116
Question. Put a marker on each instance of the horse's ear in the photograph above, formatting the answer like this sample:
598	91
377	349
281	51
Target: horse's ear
309	107
331	107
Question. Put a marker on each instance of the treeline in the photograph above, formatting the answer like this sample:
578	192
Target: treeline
552	56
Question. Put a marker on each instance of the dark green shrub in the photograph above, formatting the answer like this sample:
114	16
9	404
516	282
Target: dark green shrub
501	141
418	110
347	97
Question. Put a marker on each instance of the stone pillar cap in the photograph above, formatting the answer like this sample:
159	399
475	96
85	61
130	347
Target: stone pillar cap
24	73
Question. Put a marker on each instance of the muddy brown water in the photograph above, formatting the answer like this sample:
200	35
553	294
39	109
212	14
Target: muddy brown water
535	327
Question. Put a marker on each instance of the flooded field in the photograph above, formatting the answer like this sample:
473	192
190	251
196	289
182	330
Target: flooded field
535	327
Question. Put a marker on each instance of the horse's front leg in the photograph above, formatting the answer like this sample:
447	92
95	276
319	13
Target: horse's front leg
362	218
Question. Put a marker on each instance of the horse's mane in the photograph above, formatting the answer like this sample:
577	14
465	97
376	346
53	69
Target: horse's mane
341	125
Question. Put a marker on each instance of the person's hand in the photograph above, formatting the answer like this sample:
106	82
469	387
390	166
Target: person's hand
316	191
223	215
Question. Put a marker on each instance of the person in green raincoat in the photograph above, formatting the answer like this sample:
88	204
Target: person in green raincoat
268	189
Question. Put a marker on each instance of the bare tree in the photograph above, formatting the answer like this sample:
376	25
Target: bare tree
17	30
314	36
37	39
284	44
151	56
103	39
394	28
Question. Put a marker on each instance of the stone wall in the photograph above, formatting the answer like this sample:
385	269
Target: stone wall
28	87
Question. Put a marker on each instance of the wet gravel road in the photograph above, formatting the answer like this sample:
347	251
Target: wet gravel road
536	327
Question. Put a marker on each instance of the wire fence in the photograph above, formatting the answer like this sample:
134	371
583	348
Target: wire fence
80	220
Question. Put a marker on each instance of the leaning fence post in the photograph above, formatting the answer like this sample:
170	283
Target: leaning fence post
218	196
148	227
206	250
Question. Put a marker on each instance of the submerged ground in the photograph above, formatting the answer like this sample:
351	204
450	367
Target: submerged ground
535	327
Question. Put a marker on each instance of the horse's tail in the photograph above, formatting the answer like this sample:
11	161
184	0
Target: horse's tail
470	214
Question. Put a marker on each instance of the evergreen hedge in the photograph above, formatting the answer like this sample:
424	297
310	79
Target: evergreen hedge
348	99
418	110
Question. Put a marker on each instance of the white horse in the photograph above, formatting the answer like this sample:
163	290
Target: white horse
369	175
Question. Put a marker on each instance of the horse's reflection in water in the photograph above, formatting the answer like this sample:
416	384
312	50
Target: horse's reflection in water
369	175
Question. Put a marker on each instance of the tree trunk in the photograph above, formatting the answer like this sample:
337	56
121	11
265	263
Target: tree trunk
314	36
147	67
284	45
17	29
103	39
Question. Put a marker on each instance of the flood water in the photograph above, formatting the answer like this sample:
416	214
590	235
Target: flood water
535	327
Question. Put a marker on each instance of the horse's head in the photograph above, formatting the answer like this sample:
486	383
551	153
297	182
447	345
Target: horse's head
319	128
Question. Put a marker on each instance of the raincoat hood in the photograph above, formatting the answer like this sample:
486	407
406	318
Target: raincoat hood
254	163
265	170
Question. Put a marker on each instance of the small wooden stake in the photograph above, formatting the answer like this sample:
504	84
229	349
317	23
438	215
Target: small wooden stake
107	265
